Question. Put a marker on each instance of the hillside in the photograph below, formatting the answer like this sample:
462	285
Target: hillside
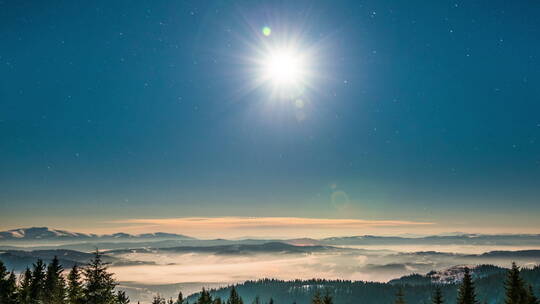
489	282
18	260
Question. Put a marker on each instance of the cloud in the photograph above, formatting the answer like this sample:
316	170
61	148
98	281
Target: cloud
276	222
261	226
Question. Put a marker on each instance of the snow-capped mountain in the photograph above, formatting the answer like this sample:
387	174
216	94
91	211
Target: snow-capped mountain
38	233
44	233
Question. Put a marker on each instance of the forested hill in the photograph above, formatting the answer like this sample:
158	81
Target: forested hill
489	282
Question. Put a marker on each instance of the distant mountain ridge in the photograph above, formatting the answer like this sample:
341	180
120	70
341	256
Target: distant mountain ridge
18	260
464	239
45	233
234	249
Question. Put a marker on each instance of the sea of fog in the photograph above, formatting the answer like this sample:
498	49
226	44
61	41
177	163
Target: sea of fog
168	272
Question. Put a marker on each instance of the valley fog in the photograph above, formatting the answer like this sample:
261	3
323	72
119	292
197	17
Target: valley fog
191	271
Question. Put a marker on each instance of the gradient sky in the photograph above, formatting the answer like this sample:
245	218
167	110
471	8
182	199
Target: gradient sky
418	111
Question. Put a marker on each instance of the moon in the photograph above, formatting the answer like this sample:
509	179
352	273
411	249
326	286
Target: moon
282	64
284	67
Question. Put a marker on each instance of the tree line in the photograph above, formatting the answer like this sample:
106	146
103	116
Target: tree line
94	284
517	290
46	284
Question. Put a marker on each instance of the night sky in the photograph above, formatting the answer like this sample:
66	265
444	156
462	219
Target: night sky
423	111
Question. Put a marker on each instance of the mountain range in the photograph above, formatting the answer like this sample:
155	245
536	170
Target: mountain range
234	249
48	234
45	233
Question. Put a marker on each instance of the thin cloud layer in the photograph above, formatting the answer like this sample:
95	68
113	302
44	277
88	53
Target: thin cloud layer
262	226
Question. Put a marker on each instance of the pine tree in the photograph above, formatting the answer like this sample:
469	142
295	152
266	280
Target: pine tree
327	299
437	296
516	293
11	288
400	297
23	294
3	281
54	284
37	283
466	293
8	286
3	271
531	298
204	297
75	293
99	284
122	298
180	298
217	301
158	299
234	298
316	298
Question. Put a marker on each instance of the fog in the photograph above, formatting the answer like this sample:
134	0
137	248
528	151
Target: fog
190	271
147	267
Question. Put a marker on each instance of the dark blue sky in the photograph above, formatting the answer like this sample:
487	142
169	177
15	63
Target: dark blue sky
420	110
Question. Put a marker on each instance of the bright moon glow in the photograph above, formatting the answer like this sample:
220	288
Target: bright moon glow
284	67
